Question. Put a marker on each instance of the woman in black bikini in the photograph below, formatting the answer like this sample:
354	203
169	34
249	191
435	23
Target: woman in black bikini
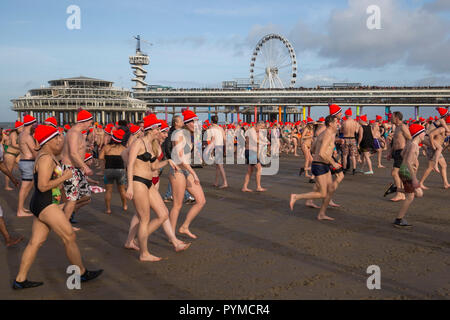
44	204
142	162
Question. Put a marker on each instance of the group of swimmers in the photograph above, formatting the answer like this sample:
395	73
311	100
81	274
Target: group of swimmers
57	163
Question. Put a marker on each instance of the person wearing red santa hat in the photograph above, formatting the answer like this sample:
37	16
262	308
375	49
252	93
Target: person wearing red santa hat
433	143
218	141
44	205
76	188
186	178
349	147
378	142
408	171
114	169
28	153
12	150
400	137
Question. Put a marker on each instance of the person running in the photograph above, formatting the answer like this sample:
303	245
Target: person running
142	163
320	167
349	147
44	205
365	142
218	140
114	169
156	203
378	140
76	188
186	178
9	241
12	151
252	142
433	143
408	172
399	139
28	153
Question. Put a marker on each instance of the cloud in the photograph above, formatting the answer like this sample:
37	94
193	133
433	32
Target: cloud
231	12
437	6
415	37
195	41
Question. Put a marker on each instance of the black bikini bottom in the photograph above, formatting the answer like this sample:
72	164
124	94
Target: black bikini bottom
147	182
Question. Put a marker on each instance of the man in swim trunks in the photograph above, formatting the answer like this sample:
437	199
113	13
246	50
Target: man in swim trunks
28	153
77	187
252	140
349	147
399	139
408	171
322	159
377	140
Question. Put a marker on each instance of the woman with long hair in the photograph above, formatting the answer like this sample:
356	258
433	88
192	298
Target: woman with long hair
114	169
142	163
186	178
48	177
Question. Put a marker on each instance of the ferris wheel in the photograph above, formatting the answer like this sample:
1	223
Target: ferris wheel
273	63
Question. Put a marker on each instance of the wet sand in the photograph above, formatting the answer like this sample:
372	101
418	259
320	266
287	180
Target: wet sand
251	246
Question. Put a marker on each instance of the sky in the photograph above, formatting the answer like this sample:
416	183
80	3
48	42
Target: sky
202	43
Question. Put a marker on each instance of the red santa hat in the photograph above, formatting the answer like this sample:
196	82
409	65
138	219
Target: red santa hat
18	124
83	116
44	134
164	125
344	118
442	111
87	157
308	120
108	129
51	122
416	129
28	120
66	127
363	118
151	122
189	116
134	129
379	118
118	135
348	112
334	109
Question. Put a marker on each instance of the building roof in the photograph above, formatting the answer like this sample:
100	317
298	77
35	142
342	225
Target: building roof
81	78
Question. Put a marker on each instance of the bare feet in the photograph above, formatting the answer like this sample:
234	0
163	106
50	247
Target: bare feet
445	186
14	241
215	185
23	214
149	257
292	201
324	217
125	207
9	189
182	246
334	205
261	189
223	186
108	212
187	232
436	168
133	246
381	166
398	197
246	190
75	229
423	187
311	204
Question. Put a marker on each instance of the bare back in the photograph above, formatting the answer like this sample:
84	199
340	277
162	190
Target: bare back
74	144
349	128
26	146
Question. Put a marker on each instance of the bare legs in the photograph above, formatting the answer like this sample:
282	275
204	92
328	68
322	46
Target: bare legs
10	161
50	218
25	189
442	162
398	183
108	196
8	240
220	171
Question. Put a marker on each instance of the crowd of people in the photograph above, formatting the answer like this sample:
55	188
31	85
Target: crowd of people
57	165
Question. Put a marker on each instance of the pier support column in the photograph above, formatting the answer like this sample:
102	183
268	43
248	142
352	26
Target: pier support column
387	110
309	111
416	112
103	117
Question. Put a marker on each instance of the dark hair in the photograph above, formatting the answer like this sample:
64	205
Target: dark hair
215	119
398	115
174	119
123	123
329	119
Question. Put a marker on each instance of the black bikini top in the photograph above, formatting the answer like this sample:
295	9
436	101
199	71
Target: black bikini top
146	156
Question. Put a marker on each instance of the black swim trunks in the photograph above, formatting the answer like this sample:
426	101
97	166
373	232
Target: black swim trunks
319	168
398	159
